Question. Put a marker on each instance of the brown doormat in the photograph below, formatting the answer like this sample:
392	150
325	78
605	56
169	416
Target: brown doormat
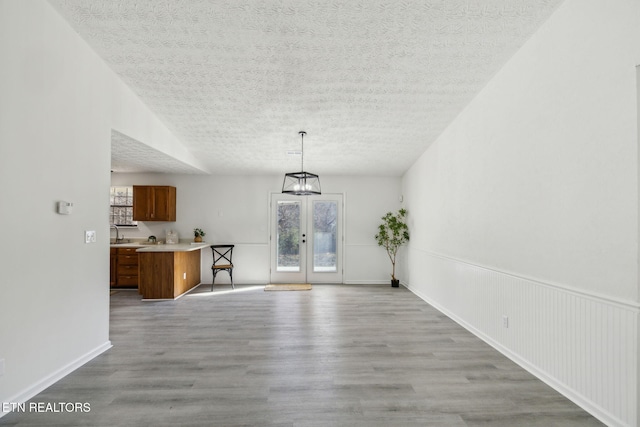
288	287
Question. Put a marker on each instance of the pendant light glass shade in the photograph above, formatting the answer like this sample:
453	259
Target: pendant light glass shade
301	183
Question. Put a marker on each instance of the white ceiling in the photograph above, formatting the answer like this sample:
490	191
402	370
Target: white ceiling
131	156
372	82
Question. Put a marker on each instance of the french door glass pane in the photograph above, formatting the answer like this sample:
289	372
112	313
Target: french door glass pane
325	217
288	235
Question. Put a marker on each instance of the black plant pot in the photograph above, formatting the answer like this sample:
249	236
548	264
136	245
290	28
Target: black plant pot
395	283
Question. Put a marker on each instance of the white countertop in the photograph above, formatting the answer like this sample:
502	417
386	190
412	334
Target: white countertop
131	245
180	247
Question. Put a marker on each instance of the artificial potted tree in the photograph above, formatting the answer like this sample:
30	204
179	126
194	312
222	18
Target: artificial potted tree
393	233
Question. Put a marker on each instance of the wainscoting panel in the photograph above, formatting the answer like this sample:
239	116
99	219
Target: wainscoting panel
366	264
250	261
583	345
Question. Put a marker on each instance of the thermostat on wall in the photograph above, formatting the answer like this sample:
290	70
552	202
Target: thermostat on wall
65	208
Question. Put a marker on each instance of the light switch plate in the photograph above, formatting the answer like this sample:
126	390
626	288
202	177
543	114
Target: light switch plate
90	236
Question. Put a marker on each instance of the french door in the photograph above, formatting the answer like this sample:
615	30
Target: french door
306	238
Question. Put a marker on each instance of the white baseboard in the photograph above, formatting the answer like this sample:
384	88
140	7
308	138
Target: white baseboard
56	376
368	282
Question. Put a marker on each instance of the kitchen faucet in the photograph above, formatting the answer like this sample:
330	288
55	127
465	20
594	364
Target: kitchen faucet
117	233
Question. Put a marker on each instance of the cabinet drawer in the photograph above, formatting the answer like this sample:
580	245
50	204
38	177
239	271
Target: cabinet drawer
127	259
128	280
127	251
128	270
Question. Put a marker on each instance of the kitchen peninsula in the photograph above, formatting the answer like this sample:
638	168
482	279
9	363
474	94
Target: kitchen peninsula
168	271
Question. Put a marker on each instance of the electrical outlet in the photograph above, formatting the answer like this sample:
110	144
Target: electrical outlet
90	236
1	367
505	321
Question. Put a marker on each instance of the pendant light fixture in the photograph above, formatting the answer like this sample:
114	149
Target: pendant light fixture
301	183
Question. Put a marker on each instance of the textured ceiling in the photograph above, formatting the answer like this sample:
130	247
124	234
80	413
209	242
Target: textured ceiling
129	156
372	82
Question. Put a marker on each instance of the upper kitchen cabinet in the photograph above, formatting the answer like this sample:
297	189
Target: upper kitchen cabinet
154	203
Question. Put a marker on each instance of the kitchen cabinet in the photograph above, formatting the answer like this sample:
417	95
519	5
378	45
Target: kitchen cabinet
154	203
168	271
126	268
113	266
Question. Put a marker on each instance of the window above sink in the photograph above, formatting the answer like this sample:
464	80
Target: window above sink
121	206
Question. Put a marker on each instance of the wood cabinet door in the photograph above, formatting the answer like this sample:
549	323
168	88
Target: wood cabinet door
113	272
164	204
141	203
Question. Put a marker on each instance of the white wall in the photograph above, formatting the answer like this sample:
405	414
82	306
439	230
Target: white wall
130	116
235	209
58	106
527	206
54	145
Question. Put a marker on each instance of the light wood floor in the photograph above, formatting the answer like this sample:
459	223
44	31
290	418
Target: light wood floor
337	355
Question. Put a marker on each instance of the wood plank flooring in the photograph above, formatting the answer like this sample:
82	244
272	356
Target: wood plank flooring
338	355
